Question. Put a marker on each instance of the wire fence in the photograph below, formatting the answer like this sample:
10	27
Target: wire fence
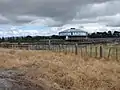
109	52
94	51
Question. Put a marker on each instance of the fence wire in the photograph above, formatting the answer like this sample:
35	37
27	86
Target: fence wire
110	52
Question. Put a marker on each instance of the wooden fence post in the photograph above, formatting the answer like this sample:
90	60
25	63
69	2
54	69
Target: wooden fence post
31	47
49	45
76	49
68	49
57	48
65	49
12	46
109	52
53	47
81	51
101	51
96	52
72	49
90	51
60	46
86	50
116	54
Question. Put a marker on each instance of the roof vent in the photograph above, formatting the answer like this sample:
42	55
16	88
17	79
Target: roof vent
72	28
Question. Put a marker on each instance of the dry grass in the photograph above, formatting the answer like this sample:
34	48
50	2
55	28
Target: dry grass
63	72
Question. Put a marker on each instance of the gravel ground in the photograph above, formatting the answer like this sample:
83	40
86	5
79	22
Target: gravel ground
13	80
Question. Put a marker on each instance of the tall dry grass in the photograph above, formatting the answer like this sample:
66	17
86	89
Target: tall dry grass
63	72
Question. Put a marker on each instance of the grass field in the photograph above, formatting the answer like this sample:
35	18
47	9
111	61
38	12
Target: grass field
63	72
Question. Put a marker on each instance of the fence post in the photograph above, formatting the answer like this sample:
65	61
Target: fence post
81	51
57	48
31	47
60	46
12	46
53	48
65	49
90	51
49	45
116	54
68	49
109	52
96	52
101	52
76	49
72	48
86	50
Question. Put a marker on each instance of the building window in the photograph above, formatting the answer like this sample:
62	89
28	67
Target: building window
79	34
65	34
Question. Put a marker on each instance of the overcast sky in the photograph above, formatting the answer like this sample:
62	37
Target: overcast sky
56	15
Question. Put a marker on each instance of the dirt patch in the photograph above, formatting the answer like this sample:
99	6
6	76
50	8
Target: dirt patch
14	80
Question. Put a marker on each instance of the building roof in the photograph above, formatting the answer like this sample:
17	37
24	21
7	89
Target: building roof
73	30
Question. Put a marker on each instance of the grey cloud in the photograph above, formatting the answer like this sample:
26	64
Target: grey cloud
4	20
99	9
103	13
25	19
59	10
112	20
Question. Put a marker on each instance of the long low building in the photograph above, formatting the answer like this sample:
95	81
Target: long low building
73	34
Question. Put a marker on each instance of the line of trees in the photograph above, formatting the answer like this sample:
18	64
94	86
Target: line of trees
109	34
28	39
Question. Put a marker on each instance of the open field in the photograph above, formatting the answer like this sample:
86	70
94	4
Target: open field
57	71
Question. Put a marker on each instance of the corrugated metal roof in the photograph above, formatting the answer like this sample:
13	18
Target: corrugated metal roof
74	30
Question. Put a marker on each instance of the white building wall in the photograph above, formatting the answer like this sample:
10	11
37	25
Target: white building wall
73	34
79	34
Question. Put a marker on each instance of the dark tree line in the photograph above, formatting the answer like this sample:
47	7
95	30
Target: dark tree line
28	39
109	34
